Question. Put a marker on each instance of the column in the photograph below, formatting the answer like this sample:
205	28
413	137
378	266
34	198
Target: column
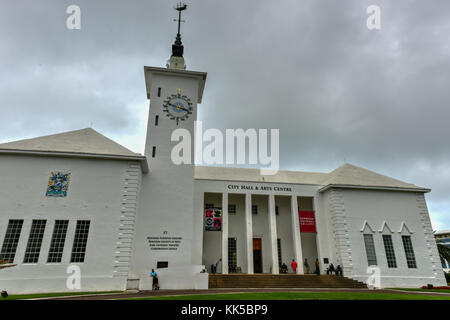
296	235
225	233
249	232
273	234
319	234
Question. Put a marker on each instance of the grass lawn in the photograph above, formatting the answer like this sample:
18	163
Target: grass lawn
423	290
301	296
47	295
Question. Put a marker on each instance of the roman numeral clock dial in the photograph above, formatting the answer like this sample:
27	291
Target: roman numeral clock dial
177	107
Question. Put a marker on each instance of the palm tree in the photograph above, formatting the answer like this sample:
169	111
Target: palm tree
444	251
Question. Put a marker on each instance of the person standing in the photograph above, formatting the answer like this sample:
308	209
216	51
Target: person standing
216	264
317	271
155	284
294	266
306	265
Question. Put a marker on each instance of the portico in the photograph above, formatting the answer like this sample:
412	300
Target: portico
260	230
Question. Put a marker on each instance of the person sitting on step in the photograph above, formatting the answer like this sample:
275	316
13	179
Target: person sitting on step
331	269
338	270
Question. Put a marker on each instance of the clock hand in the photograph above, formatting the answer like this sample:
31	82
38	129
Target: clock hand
170	104
185	109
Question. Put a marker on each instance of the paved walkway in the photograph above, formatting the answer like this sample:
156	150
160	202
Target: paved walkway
144	294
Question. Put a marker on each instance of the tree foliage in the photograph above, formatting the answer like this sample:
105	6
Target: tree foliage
444	252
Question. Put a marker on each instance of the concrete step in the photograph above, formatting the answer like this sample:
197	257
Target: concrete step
281	281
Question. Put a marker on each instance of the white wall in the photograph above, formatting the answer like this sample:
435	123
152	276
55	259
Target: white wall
396	209
309	249
212	240
236	228
166	206
96	193
284	227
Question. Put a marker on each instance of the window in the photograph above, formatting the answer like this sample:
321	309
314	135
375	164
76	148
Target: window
159	92
209	206
35	241
277	211
80	241
156	120
162	264
409	252
370	250
389	249
232	255
11	240
279	252
58	239
153	152
232	209
254	209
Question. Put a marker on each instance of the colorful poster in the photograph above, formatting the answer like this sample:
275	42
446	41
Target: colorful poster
58	183
213	219
307	221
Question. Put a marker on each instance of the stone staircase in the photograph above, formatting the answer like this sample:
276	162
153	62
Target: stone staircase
237	280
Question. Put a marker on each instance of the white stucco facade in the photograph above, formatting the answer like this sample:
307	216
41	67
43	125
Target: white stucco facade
99	192
146	212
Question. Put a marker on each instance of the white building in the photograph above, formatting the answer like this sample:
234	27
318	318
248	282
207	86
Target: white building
78	198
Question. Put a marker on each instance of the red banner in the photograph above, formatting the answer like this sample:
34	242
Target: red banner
307	221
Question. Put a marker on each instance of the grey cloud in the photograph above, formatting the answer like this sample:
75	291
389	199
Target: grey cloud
378	99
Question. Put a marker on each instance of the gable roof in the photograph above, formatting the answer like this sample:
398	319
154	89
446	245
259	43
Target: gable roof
349	176
346	176
253	175
79	141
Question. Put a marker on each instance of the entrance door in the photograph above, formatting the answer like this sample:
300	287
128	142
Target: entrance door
257	255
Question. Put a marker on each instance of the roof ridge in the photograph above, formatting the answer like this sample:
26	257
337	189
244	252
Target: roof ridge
80	141
347	175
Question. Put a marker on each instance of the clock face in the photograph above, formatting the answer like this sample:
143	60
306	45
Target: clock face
177	107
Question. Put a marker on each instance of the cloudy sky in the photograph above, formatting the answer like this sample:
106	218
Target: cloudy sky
379	99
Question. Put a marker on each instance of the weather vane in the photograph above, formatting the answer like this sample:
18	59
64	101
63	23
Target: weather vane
176	60
181	6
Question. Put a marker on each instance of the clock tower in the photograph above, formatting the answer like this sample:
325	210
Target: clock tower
165	222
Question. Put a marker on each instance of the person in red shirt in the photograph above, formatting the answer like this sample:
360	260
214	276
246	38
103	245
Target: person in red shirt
294	265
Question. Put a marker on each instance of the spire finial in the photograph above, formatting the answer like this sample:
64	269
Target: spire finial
176	60
180	7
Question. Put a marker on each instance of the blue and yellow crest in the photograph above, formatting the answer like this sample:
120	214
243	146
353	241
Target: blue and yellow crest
58	183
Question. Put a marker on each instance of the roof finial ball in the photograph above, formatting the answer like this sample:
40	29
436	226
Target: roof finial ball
176	61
